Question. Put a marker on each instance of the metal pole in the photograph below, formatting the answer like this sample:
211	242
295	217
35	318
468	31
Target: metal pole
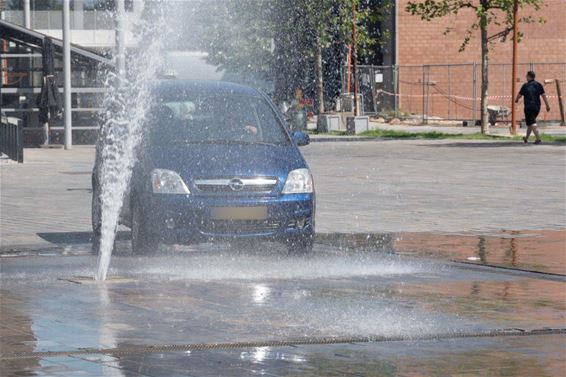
560	103
354	58
348	70
449	93
423	104
514	69
27	14
474	94
396	89
67	72
120	37
427	90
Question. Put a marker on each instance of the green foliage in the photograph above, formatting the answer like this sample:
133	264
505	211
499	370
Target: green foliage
488	12
401	134
278	39
233	32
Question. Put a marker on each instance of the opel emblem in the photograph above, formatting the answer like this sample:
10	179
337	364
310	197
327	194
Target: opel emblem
236	184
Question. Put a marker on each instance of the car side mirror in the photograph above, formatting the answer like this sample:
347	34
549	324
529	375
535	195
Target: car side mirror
301	138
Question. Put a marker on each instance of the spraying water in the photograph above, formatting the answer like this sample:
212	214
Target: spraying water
127	103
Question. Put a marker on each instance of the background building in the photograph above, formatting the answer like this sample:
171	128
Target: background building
92	28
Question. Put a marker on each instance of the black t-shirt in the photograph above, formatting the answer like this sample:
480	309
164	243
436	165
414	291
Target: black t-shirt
531	91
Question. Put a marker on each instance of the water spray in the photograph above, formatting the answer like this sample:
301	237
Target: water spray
127	102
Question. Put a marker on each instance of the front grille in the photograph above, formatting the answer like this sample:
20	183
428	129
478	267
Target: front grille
239	226
254	184
226	188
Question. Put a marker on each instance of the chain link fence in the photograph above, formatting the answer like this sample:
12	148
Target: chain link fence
449	92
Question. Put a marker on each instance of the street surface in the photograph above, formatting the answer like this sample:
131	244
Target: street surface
376	186
434	258
210	294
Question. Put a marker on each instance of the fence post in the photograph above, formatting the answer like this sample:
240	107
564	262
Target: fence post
373	86
423	104
474	94
20	143
449	93
396	89
427	90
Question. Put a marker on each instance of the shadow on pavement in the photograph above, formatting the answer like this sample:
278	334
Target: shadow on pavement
73	238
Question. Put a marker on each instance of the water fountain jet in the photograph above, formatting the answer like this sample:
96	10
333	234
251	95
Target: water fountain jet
126	103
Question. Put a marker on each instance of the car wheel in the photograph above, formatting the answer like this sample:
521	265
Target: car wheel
300	245
142	241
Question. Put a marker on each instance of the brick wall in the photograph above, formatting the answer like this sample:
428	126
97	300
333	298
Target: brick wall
421	42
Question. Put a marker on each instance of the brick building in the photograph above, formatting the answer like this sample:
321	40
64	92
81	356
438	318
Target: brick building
450	90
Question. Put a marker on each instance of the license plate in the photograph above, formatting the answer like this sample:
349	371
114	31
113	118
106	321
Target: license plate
238	213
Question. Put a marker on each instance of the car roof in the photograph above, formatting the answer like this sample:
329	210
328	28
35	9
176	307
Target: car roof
204	87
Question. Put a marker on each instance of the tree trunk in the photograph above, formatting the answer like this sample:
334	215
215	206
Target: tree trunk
319	81
484	74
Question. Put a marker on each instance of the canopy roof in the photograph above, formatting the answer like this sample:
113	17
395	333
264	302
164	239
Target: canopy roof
34	40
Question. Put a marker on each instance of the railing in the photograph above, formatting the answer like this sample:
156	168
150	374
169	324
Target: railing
11	139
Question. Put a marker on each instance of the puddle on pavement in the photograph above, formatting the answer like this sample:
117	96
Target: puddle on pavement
536	250
526	303
543	251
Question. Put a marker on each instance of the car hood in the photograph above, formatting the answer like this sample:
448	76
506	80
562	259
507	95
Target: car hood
193	161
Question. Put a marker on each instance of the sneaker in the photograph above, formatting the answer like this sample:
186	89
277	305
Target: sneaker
525	140
538	141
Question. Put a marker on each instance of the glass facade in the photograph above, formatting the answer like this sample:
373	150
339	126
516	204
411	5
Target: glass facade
22	78
21	66
54	5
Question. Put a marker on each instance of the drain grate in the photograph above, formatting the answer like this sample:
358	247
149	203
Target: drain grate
132	350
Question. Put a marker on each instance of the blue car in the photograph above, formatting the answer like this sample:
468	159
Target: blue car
216	162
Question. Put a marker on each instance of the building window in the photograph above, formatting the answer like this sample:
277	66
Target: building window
39	5
107	5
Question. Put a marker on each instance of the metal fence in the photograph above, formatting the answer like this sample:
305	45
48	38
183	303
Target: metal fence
448	91
11	139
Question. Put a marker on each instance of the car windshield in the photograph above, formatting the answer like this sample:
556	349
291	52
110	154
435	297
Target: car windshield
216	119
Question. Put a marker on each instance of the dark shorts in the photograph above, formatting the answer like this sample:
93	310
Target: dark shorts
531	116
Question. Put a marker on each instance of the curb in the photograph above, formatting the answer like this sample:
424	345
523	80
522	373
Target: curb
315	139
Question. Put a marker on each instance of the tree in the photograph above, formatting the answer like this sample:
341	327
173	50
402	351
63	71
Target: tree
281	41
487	12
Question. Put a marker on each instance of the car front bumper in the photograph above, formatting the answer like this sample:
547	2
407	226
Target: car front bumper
187	218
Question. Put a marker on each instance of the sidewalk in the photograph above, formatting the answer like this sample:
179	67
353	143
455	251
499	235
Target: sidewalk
494	130
382	186
497	130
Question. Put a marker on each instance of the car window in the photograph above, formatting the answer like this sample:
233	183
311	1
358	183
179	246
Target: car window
215	119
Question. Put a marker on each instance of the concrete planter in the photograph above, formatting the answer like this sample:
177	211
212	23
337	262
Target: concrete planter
357	124
328	122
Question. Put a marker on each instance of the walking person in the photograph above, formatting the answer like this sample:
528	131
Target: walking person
532	90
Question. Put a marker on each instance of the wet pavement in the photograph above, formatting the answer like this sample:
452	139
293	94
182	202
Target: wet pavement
531	250
208	294
412	274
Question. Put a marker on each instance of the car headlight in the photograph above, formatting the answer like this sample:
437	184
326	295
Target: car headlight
167	182
298	181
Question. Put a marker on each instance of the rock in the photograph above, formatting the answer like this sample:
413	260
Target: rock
395	121
380	120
